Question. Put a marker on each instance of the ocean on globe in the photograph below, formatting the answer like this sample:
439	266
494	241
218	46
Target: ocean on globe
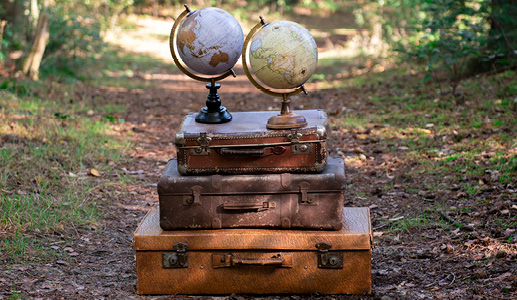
209	41
283	55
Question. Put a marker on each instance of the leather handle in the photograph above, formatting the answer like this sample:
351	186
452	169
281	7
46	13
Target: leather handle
260	206
276	260
231	260
245	152
265	151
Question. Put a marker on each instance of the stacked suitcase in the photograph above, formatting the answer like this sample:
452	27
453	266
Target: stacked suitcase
248	210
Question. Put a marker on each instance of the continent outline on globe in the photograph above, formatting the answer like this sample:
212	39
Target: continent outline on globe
287	63
210	41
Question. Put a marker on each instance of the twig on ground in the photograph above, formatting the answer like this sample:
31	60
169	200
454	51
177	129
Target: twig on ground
454	222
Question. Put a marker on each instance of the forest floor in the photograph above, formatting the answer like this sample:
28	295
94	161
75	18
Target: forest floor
417	157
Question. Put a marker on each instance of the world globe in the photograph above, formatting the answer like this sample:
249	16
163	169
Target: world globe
283	55
209	41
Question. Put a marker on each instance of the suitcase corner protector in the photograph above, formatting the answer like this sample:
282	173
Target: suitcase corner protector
182	169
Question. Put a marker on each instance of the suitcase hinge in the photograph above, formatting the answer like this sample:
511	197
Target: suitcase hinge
329	259
195	198
178	259
308	199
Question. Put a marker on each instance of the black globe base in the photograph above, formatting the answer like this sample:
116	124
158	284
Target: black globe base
213	112
214	117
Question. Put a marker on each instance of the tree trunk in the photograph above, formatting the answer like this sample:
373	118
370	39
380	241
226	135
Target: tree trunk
33	60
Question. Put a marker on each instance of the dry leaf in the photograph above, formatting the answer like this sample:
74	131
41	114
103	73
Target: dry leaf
95	173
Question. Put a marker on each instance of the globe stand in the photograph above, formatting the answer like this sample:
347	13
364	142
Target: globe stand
213	112
286	119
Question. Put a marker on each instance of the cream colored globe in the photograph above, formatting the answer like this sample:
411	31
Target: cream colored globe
210	40
283	55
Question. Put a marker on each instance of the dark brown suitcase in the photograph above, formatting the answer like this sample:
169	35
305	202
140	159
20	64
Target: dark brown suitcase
254	200
244	145
254	261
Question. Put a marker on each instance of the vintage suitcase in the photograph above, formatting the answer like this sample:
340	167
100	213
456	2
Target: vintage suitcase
254	200
254	261
244	145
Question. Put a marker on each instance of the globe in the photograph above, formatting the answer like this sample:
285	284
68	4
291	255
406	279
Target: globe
283	55
209	41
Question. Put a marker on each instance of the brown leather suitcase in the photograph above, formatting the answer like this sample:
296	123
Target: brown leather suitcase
254	261
244	145
254	200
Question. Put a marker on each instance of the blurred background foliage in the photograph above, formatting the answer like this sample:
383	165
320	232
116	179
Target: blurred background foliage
450	39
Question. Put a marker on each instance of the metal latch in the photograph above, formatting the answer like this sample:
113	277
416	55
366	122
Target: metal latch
195	198
203	140
307	199
301	148
294	136
178	259
329	259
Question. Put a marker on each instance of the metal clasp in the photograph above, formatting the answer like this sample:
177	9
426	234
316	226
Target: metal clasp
203	140
178	259
294	136
329	259
308	199
195	198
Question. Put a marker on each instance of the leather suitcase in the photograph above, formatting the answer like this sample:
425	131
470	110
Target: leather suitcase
244	145
254	261
254	200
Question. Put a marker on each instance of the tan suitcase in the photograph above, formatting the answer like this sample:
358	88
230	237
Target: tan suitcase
254	261
245	146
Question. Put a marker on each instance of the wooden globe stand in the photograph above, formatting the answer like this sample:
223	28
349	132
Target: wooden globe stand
213	112
286	119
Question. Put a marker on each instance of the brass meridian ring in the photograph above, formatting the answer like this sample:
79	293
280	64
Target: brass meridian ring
245	48
172	41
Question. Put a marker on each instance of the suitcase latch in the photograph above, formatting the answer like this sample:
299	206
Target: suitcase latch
294	136
329	259
307	199
178	259
203	140
195	198
301	148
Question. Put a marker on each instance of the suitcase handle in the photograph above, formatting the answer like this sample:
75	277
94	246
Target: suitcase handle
230	260
253	152
260	206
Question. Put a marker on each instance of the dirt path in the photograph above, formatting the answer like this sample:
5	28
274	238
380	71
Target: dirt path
428	263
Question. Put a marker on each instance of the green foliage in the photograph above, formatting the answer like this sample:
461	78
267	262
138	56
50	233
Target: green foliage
75	40
455	33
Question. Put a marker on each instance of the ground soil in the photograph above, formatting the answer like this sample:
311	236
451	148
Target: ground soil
433	262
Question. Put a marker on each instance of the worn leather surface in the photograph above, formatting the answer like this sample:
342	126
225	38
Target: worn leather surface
355	234
283	200
299	274
250	122
247	133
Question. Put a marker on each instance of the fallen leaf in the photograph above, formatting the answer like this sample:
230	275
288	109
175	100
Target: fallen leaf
95	173
358	150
